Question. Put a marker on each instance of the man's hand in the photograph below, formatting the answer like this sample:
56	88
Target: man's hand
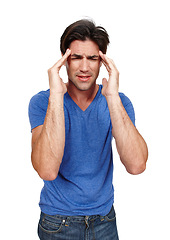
56	83
111	86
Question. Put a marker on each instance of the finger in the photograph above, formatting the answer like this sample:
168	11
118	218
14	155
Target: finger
103	56
109	63
112	63
66	55
62	61
104	60
104	81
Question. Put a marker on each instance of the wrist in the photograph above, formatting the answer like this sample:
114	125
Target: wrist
55	93
114	96
56	97
113	100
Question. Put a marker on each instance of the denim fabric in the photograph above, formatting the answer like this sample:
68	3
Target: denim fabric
95	227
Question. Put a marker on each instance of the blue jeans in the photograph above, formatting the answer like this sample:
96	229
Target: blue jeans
95	227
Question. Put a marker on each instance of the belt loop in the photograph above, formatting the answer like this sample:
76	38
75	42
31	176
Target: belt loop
67	221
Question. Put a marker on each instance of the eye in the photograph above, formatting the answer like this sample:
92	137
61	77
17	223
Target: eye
76	57
94	59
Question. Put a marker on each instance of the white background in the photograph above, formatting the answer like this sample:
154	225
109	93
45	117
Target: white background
140	47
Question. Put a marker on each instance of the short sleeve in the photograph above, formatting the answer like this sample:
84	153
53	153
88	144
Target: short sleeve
128	107
37	109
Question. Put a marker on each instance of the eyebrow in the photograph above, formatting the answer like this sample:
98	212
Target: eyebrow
88	57
76	56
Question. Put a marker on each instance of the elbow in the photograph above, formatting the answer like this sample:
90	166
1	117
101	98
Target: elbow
138	166
136	170
47	175
45	172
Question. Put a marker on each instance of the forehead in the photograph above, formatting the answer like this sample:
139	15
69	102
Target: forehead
86	47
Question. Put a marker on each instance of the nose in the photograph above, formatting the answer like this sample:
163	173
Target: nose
84	65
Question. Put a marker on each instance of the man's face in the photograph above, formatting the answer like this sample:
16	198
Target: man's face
83	64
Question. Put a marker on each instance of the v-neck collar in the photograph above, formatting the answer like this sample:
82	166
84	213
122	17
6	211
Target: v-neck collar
91	104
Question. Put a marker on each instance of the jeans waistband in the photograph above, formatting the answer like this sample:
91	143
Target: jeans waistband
75	218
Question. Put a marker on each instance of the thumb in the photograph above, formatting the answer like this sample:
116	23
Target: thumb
104	82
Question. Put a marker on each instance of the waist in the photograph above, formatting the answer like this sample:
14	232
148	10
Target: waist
77	219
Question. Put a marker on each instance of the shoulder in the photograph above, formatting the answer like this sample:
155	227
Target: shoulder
42	95
125	100
40	100
37	108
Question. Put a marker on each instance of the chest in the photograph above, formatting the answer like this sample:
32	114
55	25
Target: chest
87	127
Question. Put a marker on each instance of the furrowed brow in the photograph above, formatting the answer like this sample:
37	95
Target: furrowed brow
76	56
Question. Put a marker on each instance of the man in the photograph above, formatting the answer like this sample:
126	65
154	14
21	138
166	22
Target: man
72	128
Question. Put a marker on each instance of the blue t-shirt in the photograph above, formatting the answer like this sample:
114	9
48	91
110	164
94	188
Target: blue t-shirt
84	182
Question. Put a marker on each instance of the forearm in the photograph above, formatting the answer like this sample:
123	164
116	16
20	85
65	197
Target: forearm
131	146
48	150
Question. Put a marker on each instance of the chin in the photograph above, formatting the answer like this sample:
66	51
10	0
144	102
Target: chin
84	86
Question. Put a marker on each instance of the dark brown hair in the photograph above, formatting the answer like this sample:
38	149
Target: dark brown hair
82	30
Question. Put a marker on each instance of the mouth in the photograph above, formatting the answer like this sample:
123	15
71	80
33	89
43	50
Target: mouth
84	78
